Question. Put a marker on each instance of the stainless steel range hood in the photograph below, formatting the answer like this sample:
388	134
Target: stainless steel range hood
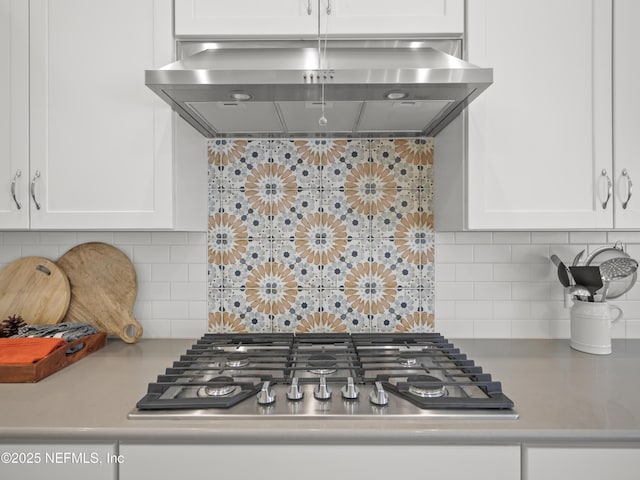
275	89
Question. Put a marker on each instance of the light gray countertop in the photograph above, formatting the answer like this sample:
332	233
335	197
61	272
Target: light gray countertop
561	396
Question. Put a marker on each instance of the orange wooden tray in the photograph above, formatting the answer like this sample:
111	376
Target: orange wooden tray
56	360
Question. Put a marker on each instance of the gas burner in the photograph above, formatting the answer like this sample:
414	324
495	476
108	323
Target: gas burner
218	387
322	364
426	391
237	360
407	360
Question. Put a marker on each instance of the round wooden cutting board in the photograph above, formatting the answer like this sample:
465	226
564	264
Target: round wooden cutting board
36	289
103	289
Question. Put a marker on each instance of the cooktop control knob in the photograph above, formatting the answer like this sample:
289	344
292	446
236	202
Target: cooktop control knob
378	396
322	392
266	396
350	391
294	392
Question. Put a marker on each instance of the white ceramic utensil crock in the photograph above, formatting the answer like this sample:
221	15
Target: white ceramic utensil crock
591	324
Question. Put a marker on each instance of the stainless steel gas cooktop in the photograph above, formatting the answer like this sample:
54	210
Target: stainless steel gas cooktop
324	375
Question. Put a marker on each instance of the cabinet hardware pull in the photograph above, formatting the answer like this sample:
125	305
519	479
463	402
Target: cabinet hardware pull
13	188
309	10
629	188
328	7
609	189
33	188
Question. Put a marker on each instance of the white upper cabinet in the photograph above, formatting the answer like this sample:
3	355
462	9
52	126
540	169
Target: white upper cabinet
14	113
366	18
300	18
626	105
245	18
100	141
540	138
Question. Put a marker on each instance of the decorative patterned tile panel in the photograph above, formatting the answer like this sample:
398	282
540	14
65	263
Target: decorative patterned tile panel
309	235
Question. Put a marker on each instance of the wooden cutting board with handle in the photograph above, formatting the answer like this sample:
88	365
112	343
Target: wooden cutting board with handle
103	289
34	288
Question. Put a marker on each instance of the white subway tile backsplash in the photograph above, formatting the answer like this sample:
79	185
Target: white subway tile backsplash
446	309
549	237
474	272
154	291
491	253
487	284
492	291
170	310
530	329
151	254
196	253
532	291
21	238
512	237
444	238
512	272
58	238
549	310
588	237
9	253
170	238
474	310
52	252
170	272
492	328
133	238
454	290
104	237
472	237
197	272
155	328
446	272
454	253
198	309
143	272
188	290
197	238
188	328
530	254
511	310
457	329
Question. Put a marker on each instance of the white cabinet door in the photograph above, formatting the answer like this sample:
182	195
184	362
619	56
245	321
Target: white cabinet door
540	146
101	149
318	462
299	18
245	18
68	461
379	18
626	105
14	113
548	463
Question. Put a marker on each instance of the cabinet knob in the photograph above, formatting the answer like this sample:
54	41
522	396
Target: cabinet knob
309	10
13	188
33	189
626	175
609	188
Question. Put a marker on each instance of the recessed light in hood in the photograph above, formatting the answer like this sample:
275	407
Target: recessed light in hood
274	89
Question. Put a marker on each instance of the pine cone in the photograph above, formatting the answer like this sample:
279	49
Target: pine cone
11	325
